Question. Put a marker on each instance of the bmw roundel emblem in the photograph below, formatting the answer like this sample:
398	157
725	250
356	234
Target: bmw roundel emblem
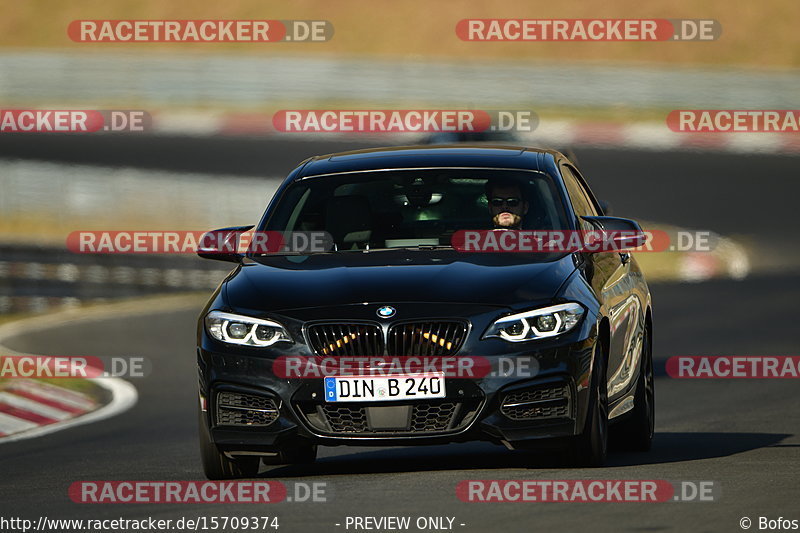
387	311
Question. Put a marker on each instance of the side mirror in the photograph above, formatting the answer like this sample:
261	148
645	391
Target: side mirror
623	233
222	244
606	207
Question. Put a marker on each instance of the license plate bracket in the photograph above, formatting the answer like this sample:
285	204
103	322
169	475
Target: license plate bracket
385	417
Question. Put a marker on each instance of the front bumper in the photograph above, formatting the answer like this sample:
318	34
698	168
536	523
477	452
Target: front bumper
516	408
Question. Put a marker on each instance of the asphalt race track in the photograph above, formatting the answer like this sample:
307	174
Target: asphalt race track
741	434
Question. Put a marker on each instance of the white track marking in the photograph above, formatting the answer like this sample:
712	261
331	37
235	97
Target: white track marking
34	407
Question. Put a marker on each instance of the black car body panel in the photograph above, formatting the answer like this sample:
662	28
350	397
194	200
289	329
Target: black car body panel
274	283
428	285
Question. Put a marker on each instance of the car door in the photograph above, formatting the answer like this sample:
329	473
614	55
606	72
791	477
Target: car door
609	275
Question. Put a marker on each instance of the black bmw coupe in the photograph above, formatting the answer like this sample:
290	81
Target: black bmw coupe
395	333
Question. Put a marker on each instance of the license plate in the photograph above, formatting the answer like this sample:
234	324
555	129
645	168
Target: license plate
384	388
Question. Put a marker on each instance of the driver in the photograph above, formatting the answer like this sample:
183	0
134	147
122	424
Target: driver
507	204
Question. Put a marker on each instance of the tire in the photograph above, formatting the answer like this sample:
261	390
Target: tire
590	448
217	465
635	433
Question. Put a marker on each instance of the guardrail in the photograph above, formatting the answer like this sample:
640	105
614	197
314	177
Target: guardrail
35	279
246	82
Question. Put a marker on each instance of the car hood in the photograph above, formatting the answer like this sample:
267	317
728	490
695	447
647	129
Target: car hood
282	283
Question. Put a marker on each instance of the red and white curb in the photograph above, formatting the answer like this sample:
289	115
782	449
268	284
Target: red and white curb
729	260
558	133
32	411
30	408
26	404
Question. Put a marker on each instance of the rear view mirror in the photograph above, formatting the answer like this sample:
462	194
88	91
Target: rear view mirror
222	244
623	232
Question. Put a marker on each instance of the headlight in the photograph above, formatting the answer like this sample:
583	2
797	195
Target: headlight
536	324
245	330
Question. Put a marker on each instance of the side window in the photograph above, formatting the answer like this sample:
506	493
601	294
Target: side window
580	200
590	197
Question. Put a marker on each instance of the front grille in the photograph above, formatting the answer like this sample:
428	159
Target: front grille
435	338
236	409
343	419
427	417
429	338
538	403
346	339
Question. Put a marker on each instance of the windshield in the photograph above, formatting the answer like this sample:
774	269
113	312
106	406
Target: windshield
414	208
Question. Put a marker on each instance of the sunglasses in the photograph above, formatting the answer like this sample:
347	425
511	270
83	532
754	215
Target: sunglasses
510	202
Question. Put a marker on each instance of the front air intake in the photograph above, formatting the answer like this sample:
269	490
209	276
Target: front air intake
237	409
539	403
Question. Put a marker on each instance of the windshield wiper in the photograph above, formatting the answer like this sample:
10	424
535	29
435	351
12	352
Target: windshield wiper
432	247
420	247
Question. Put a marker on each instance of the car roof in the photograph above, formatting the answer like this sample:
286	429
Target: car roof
425	156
